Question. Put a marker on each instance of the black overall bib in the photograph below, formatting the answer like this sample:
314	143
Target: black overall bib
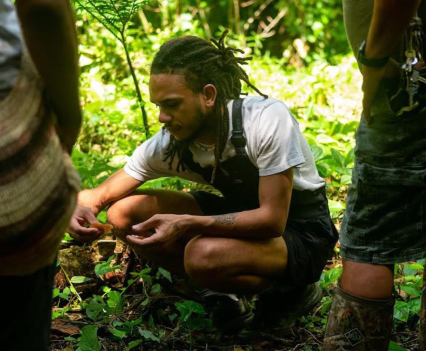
310	234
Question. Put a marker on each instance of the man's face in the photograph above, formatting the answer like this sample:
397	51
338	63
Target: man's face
182	112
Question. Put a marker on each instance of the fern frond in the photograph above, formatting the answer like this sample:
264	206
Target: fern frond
114	15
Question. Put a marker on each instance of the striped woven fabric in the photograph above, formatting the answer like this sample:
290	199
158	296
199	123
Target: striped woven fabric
38	183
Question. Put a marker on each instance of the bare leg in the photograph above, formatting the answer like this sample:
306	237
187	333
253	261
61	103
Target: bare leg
367	280
143	204
360	317
223	264
235	265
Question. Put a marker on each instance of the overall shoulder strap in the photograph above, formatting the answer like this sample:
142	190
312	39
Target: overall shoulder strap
237	138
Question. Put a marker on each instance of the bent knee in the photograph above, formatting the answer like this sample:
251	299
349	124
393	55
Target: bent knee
119	214
202	260
124	213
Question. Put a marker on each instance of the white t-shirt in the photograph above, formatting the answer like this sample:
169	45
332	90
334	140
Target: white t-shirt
274	144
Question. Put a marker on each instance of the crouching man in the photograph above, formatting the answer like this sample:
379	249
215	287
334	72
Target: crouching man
271	231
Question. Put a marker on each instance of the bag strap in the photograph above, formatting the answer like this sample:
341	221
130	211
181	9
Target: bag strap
237	138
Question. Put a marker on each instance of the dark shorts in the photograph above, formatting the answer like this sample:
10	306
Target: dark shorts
310	238
26	311
385	218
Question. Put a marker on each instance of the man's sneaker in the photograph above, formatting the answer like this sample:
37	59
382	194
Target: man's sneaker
279	310
229	313
183	287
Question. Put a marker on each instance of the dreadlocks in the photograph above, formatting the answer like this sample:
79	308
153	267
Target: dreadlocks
202	63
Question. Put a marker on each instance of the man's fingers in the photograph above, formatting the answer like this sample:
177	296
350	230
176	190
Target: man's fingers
86	237
141	241
81	233
90	231
145	226
91	218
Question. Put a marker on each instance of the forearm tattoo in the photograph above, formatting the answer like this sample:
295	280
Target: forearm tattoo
226	219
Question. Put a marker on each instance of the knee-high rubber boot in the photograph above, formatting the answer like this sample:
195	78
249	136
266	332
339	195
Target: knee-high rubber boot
358	324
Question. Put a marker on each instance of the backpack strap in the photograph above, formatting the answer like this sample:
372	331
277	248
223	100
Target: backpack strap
237	138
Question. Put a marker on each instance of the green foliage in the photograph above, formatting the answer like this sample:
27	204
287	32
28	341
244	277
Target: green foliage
114	15
105	267
329	277
64	294
148	335
314	29
297	67
192	314
80	279
395	347
166	274
89	339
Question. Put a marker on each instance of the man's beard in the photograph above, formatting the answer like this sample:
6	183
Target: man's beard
204	126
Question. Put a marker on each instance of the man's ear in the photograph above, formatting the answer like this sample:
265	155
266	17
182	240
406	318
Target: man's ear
209	94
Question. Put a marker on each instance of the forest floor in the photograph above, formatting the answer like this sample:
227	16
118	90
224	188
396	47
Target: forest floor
166	331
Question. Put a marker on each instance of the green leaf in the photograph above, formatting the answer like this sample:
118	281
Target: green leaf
144	274
317	152
408	270
330	276
337	156
415	306
60	312
393	346
156	289
411	290
336	206
134	322
133	344
89	339
416	267
148	335
346	179
115	302
95	307
117	323
401	311
199	323
151	321
78	279
323	169
146	271
113	14
65	294
188	308
165	274
146	278
118	333
145	302
350	157
422	261
325	139
104	267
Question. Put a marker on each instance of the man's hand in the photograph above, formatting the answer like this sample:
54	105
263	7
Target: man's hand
371	82
81	218
159	230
